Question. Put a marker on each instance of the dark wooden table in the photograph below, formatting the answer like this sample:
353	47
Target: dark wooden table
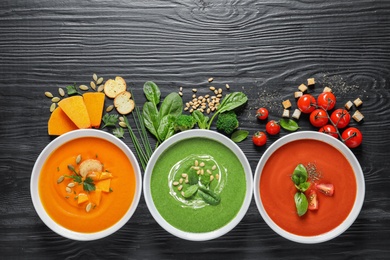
263	48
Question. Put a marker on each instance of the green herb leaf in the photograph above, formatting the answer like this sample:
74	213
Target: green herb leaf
75	178
201	119
118	132
151	119
109	120
192	177
304	186
301	203
209	196
88	184
188	193
166	128
299	175
72	90
171	105
152	92
239	136
288	124
232	101
205	180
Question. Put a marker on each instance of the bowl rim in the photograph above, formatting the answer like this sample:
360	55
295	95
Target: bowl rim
55	144
360	185
196	133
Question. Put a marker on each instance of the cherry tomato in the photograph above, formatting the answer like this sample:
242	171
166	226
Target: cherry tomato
313	200
306	103
259	138
325	188
262	113
352	137
318	117
326	100
272	127
340	117
330	130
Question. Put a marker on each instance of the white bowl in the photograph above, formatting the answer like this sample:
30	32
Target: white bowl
229	144
55	144
360	186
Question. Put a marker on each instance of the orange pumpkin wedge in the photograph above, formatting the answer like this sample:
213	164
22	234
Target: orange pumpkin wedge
59	123
94	101
75	108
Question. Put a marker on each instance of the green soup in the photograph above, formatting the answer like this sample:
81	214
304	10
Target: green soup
188	170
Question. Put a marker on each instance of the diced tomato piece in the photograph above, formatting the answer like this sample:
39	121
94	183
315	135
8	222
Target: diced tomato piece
325	188
313	200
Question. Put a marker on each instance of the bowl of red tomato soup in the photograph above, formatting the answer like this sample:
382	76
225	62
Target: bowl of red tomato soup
86	184
309	187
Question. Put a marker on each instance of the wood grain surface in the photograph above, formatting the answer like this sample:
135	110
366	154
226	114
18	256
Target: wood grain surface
263	48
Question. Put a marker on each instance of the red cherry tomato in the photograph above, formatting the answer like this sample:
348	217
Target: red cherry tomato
352	137
313	200
306	103
340	117
318	117
262	113
272	127
330	130
259	138
325	188
326	100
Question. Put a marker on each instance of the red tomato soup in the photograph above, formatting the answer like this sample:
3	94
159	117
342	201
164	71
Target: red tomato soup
112	197
277	189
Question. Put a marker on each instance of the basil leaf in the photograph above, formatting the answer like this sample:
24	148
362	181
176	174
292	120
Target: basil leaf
239	136
192	177
232	101
151	119
152	92
200	118
188	193
172	105
288	124
303	186
209	196
301	203
299	175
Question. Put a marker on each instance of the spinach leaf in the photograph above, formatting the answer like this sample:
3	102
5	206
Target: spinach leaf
165	128
288	124
152	92
172	105
151	118
192	177
239	136
201	119
209	196
188	193
301	203
232	101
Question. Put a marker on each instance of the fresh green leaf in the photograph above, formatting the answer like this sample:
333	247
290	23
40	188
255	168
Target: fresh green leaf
72	90
209	196
303	186
299	175
239	136
288	124
205	180
188	193
109	120
75	178
192	177
201	119
232	101
71	167
165	128
151	119
152	92
301	203
118	132
88	184
171	105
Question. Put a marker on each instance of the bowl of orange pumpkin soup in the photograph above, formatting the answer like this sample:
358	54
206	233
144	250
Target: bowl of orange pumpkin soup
309	187
86	184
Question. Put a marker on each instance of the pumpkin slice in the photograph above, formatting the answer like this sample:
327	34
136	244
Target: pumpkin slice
96	196
103	185
59	123
74	107
94	101
81	198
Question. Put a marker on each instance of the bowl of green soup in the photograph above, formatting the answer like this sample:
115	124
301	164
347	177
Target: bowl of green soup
198	185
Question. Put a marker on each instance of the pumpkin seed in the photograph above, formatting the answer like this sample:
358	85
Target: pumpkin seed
88	207
71	184
60	179
78	159
121	119
48	94
83	87
68	190
52	107
99	81
109	108
55	99
94	76
122	124
61	92
100	88
93	85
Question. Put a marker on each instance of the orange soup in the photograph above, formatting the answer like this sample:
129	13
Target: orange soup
277	189
87	185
